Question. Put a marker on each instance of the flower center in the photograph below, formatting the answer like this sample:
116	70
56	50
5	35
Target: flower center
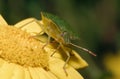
19	47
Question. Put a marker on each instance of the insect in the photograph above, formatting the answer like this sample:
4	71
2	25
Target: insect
61	32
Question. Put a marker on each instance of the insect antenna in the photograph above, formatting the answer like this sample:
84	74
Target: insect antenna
84	49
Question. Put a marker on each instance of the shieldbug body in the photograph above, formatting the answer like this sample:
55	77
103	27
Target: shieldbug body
61	32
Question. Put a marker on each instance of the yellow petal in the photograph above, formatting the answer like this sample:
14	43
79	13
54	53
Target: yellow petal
18	72
2	21
27	74
40	73
6	70
76	61
29	25
44	74
33	73
112	63
56	67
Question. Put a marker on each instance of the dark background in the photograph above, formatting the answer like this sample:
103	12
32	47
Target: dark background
96	21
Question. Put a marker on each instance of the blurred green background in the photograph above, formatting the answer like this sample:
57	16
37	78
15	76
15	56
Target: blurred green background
96	21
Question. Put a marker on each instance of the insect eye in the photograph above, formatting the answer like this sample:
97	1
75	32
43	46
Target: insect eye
63	34
66	37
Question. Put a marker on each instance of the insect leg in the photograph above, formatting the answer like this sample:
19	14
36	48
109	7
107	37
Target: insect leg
55	50
68	57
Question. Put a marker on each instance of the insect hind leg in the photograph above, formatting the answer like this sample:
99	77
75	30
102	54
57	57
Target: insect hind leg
67	51
66	61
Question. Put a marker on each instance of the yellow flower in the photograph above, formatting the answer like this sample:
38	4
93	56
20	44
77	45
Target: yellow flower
22	56
112	64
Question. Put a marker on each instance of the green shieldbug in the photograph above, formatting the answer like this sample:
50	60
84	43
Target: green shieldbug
61	32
